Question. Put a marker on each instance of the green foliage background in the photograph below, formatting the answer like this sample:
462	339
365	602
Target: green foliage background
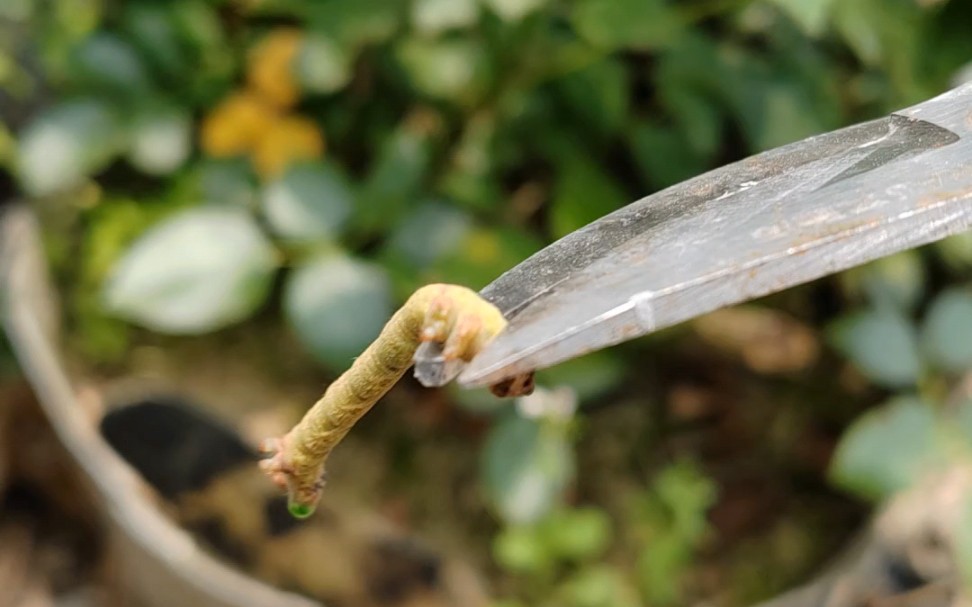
459	136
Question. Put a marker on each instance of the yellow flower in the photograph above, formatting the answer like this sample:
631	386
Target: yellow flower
236	125
270	71
290	139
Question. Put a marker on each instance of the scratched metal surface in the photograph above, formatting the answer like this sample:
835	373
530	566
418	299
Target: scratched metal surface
758	226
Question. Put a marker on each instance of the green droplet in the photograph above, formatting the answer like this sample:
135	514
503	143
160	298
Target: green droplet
300	510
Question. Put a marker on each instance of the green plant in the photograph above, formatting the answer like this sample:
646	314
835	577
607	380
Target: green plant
562	557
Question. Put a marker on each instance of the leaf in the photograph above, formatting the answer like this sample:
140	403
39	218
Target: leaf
947	332
577	534
469	178
65	144
152	30
197	271
452	70
956	251
635	24
810	15
584	192
786	116
663	156
687	494
17	10
698	117
661	568
105	59
227	181
888	449
882	344
598	585
160	139
588	376
431	231
520	549
484	254
323	66
312	201
598	95
337	305
435	16
356	23
514	10
897	280
526	467
394	179
860	30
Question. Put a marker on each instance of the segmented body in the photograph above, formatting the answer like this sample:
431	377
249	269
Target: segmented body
449	314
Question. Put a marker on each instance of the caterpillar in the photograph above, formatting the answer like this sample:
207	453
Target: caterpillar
452	315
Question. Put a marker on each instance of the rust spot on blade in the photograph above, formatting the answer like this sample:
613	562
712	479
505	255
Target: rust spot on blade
936	198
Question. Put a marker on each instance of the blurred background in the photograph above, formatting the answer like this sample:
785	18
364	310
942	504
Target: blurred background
234	196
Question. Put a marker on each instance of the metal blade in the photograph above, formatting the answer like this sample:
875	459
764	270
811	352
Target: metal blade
758	226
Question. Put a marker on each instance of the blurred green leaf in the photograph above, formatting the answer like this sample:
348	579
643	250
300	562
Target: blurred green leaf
199	270
577	534
888	449
787	115
810	15
394	179
663	156
947	332
887	35
337	305
698	117
520	549
661	567
105	59
584	192
453	69
159	138
596	586
514	10
66	143
858	24
199	25
435	16
897	280
17	10
598	95
229	181
356	23
588	376
152	30
882	344
322	65
635	24
527	465
673	519
469	178
311	201
483	255
687	493
432	230
956	251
